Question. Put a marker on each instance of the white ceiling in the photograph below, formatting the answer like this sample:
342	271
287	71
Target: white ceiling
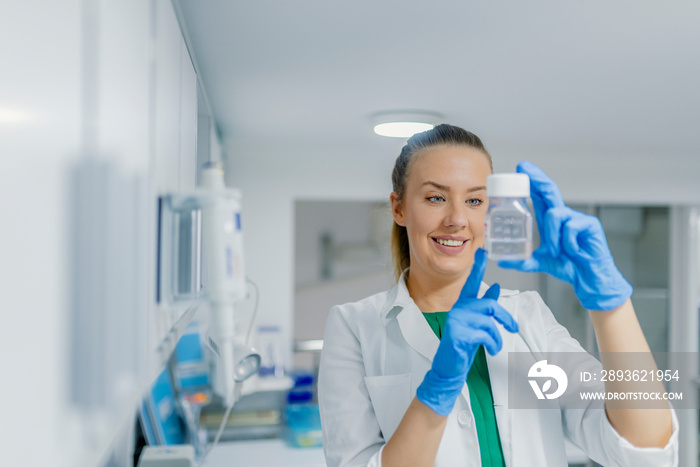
560	78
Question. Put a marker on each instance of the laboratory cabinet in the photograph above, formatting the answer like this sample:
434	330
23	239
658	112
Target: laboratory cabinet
99	116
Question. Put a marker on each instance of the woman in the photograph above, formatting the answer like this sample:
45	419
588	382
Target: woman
403	382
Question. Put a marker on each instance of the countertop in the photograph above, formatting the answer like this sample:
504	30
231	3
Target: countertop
264	453
277	453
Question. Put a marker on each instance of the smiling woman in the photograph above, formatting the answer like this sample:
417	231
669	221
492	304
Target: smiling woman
419	374
441	210
448	142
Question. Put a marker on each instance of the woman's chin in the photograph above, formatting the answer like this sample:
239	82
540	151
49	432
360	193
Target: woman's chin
453	268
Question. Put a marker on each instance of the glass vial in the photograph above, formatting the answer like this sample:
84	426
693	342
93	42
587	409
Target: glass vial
508	230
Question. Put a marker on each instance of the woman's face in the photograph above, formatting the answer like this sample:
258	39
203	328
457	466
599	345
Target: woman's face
443	210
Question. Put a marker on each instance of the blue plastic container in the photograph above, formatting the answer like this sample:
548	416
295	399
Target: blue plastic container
303	425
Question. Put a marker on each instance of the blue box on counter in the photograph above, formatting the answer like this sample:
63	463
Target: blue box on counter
303	425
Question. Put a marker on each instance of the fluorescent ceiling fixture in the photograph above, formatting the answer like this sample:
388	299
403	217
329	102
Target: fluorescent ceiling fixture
401	129
404	124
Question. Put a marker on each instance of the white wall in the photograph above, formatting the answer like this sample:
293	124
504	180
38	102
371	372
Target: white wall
270	182
39	132
646	177
110	81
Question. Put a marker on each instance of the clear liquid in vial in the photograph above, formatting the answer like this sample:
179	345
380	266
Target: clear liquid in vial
508	235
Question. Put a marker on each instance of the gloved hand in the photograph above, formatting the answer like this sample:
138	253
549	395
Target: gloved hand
470	323
573	247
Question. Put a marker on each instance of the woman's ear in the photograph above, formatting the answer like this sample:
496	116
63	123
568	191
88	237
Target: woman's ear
397	209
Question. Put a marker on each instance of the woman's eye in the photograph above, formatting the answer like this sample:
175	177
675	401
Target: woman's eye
474	202
436	199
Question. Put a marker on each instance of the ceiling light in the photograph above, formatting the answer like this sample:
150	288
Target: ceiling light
400	124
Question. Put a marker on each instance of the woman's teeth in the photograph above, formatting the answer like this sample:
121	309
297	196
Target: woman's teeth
449	242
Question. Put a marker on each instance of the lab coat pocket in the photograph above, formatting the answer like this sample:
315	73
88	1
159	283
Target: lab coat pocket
391	396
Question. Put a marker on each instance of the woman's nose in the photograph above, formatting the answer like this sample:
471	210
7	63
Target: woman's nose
457	216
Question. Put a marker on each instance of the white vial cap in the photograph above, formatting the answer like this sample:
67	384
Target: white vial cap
508	185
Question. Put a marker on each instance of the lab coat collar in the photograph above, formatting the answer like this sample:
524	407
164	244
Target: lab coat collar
399	297
414	326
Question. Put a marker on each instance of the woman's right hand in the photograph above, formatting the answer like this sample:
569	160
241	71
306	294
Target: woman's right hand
470	323
572	247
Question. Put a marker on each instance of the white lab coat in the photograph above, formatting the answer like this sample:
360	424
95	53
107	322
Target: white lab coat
377	351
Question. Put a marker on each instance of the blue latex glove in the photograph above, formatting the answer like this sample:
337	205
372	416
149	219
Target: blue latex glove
572	248
470	323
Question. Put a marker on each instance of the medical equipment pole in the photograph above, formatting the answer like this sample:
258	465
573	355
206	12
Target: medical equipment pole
224	276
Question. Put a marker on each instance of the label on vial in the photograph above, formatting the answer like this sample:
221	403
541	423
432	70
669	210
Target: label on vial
508	236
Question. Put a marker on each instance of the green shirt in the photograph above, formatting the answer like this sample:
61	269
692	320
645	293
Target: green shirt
481	399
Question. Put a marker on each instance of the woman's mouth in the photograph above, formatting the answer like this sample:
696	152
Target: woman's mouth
449	242
449	246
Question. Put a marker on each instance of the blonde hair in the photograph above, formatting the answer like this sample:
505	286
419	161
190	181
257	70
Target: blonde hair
441	135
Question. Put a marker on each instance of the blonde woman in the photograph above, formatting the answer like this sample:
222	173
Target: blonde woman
417	375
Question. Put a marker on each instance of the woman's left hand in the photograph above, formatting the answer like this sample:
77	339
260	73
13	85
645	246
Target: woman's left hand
572	247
